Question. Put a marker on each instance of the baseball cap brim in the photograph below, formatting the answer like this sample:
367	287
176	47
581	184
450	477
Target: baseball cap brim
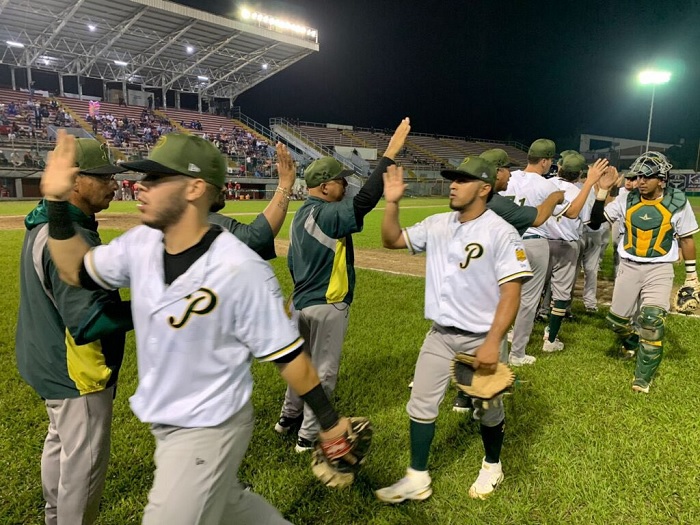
149	166
343	174
456	174
104	170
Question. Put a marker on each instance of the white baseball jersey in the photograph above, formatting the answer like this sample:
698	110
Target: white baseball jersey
531	189
195	338
683	222
563	228
466	263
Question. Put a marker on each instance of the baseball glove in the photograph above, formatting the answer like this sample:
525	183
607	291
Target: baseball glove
478	383
335	462
686	300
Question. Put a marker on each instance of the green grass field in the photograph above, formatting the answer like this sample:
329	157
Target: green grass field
580	447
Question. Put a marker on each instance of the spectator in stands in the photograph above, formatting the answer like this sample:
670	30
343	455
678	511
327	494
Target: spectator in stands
3	159
122	102
150	102
12	109
28	161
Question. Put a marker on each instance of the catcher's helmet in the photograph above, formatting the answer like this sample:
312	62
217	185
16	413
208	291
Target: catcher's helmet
651	164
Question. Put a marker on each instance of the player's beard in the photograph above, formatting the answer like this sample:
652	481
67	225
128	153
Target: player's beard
170	215
461	208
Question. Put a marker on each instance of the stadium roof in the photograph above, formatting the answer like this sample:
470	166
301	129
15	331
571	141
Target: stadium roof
162	44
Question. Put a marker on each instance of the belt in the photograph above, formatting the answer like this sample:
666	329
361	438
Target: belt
527	237
452	330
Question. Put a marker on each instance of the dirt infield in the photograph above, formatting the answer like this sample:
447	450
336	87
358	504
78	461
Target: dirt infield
381	260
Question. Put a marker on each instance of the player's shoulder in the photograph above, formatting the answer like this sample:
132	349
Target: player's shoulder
496	226
141	235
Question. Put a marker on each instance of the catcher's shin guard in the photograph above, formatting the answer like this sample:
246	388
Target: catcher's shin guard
624	330
651	332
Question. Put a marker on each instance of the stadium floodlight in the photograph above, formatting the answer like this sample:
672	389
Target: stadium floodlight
655	78
120	63
13	43
202	78
278	23
189	49
265	66
245	14
92	27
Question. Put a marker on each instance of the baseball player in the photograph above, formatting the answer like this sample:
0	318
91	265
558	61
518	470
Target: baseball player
657	221
475	266
528	187
206	304
563	237
321	262
69	345
260	234
520	217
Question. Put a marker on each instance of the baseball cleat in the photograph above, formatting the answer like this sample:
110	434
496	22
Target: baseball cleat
288	425
410	385
304	445
639	385
591	309
552	346
414	486
490	476
520	361
462	403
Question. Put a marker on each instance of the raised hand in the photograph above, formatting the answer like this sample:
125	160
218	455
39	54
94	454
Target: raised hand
59	175
398	139
285	167
596	171
394	186
609	179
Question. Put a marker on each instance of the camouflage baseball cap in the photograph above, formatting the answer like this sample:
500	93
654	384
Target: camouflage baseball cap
543	148
93	158
323	170
629	175
498	157
565	153
473	168
184	154
573	163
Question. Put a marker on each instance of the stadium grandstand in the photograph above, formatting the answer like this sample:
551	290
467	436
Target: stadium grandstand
128	71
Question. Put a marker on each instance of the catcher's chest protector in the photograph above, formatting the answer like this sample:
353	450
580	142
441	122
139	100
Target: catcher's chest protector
648	231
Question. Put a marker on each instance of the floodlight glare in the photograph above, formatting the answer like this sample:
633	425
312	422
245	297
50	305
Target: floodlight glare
121	63
245	14
189	49
12	43
202	78
650	76
265	66
92	28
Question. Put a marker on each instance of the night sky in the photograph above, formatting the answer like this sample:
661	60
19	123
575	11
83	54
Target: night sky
491	69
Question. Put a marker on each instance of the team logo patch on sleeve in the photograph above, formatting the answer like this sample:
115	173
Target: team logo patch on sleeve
520	255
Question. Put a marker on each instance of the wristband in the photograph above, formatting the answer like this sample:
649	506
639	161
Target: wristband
690	270
602	194
60	222
321	406
284	192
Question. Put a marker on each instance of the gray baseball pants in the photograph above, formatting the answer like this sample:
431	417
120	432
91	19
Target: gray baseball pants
589	258
433	372
196	477
639	285
75	457
537	251
323	328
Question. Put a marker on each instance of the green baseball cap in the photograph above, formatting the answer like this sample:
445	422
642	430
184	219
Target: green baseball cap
323	170
473	168
630	175
498	157
92	158
565	153
543	148
573	163
184	154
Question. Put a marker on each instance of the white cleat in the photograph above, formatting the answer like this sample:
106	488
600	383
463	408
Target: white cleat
510	336
520	361
415	485
552	346
490	476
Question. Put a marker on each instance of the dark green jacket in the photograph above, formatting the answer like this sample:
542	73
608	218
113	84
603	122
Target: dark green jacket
257	235
69	341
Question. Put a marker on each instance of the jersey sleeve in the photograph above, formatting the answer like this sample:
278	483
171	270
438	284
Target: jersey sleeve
261	322
686	224
108	265
336	219
615	210
520	217
416	237
511	261
257	235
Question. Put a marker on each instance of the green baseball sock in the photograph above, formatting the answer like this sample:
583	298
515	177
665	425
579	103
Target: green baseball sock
558	313
421	438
